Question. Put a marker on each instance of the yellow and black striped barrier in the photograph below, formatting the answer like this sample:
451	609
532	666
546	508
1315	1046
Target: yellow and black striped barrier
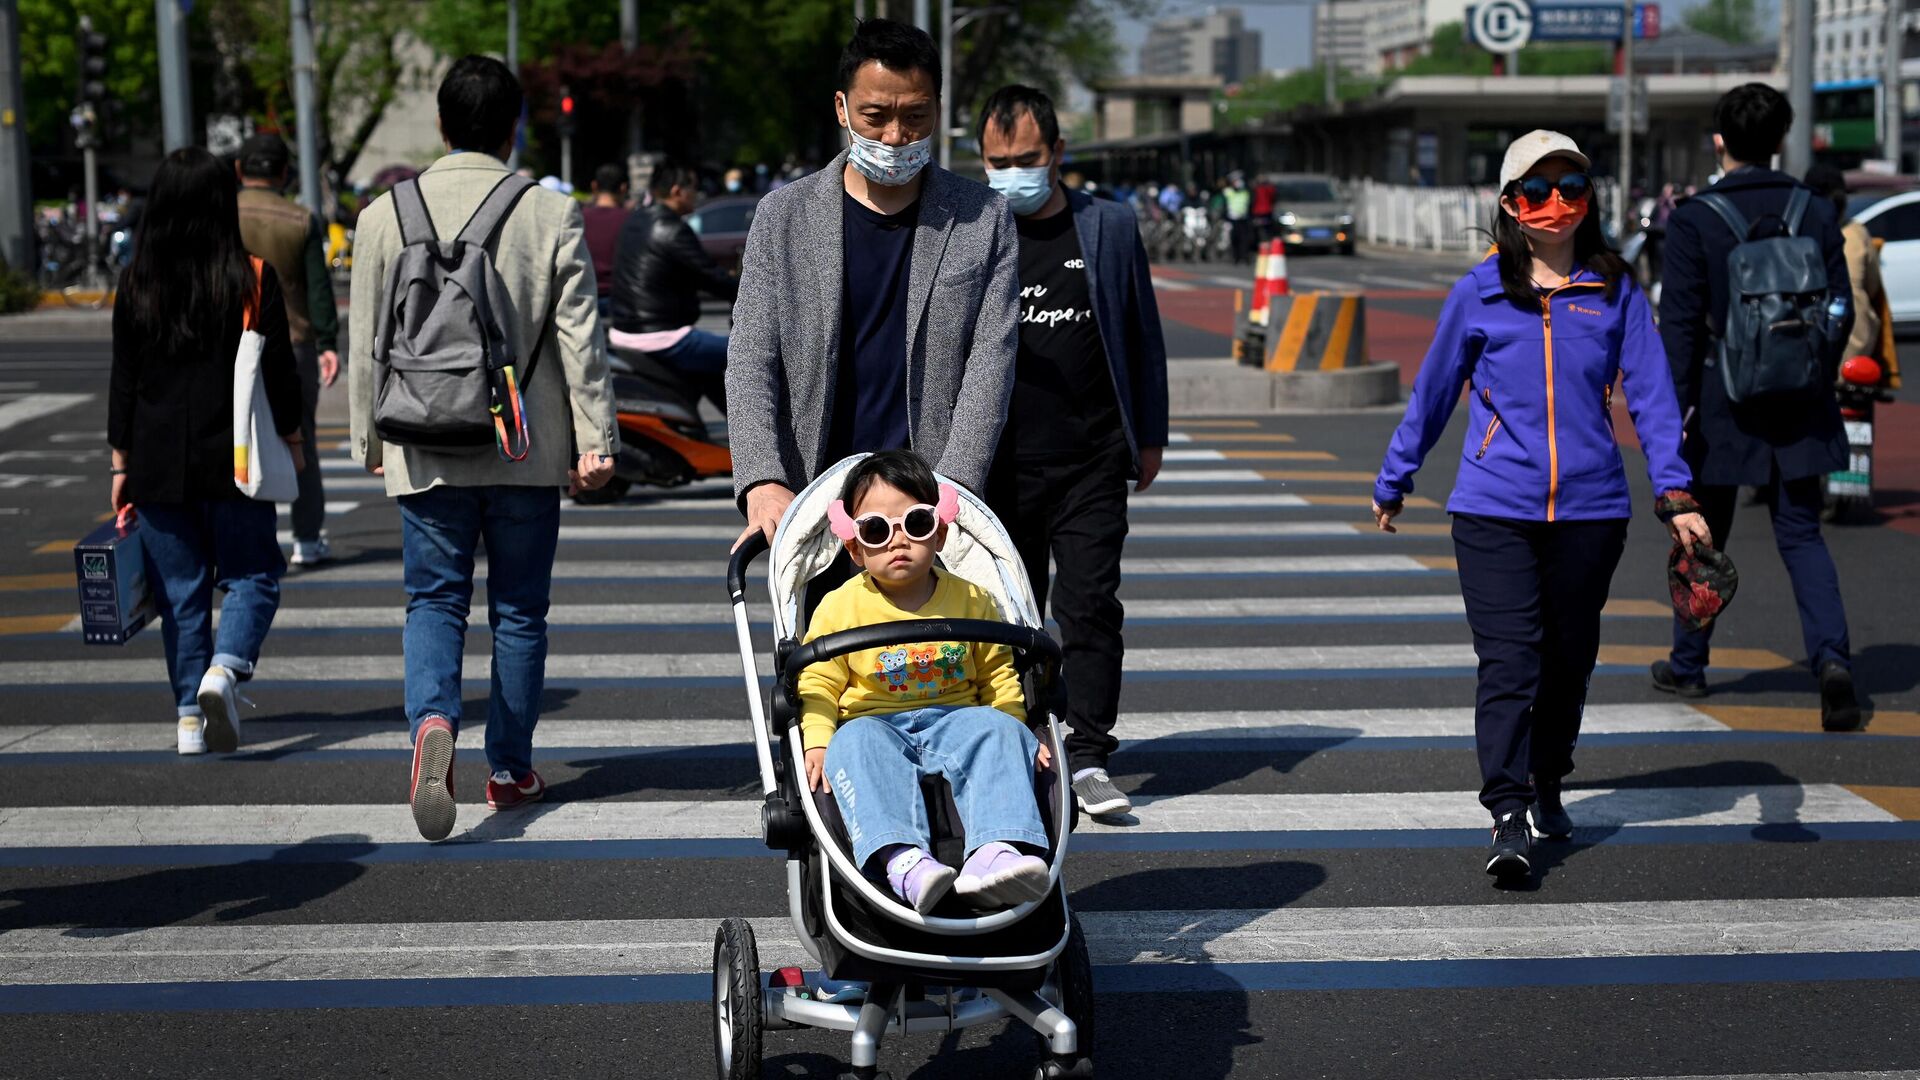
1317	332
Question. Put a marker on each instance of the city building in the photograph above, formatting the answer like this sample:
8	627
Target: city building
1369	37
1216	43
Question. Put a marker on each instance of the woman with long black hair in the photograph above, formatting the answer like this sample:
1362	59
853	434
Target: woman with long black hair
182	303
1538	332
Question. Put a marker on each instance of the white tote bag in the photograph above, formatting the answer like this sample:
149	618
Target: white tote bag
262	461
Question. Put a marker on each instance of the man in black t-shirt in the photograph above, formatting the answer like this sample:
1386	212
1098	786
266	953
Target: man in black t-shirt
1089	413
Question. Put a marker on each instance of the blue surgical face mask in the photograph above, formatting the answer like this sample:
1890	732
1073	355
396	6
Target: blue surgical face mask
888	166
1027	190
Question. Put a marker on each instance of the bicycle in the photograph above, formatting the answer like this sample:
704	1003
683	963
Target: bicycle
84	279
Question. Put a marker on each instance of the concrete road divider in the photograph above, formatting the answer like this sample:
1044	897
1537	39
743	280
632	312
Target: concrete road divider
1316	332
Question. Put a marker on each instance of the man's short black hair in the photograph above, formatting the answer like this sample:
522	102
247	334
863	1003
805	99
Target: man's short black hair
1752	120
264	157
670	174
1003	111
479	104
902	470
610	178
896	45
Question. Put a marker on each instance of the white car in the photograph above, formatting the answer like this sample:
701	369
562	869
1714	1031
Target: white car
1895	219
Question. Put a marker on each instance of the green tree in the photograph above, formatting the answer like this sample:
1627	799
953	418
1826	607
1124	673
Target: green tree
49	58
360	66
1729	20
1265	96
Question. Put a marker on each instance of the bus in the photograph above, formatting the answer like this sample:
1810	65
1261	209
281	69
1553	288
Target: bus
1846	121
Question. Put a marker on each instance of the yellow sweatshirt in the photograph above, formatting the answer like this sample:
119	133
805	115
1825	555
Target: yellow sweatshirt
875	682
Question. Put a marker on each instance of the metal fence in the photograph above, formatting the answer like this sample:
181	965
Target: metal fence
1435	218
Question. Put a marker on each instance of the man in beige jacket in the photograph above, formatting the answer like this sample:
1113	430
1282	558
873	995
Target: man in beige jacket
449	502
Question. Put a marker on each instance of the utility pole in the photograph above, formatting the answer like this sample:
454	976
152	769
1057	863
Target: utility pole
513	65
1623	199
1799	148
566	136
946	82
920	17
16	198
630	43
306	122
176	92
1895	110
89	102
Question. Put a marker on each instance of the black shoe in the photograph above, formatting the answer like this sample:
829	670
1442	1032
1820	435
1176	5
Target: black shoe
1550	818
1839	709
1512	848
1665	681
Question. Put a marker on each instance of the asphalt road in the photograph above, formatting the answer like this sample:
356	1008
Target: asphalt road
1298	895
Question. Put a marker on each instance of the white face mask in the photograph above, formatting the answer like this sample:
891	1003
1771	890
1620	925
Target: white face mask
889	166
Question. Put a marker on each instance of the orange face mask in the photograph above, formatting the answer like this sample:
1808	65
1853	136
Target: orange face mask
1557	215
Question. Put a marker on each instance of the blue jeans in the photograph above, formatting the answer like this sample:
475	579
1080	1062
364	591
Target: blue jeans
192	548
440	529
875	763
699	353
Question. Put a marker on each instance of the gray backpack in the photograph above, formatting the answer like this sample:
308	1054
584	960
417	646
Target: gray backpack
446	346
1777	334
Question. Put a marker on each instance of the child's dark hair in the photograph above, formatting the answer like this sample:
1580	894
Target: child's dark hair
900	469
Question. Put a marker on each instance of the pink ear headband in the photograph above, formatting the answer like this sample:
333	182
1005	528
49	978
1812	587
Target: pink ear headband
847	528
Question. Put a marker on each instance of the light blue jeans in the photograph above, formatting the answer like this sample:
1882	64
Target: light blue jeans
192	549
875	763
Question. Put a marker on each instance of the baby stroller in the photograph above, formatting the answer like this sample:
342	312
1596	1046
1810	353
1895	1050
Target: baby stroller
951	969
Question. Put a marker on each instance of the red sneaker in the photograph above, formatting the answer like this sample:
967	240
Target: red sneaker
432	791
505	793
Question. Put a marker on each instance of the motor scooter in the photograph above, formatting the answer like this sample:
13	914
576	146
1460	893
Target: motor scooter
1848	494
663	440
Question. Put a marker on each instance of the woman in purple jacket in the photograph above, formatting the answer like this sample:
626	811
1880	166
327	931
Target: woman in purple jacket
1537	333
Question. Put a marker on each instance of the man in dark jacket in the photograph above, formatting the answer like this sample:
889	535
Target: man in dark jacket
1781	447
658	275
1089	412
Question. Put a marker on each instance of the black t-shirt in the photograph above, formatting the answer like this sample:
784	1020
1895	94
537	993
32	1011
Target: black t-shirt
870	385
1063	398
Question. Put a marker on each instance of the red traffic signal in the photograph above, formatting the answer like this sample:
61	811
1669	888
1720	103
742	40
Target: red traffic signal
566	105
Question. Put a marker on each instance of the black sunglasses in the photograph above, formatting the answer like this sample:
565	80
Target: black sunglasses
1538	189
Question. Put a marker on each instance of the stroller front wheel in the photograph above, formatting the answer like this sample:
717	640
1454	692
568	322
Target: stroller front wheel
1073	981
737	1007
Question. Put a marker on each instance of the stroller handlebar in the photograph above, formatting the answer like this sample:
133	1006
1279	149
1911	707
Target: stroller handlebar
1023	639
750	549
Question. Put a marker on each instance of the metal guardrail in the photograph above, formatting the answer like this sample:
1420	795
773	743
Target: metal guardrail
1435	218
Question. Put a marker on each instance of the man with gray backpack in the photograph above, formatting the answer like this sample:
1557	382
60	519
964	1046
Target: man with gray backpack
478	392
1754	312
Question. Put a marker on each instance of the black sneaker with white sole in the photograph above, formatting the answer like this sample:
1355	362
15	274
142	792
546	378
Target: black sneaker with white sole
1098	796
1550	818
1510	854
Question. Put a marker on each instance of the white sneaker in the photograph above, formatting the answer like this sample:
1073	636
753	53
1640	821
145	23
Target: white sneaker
221	704
193	735
311	552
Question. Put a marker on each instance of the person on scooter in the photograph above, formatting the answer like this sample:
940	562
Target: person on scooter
659	272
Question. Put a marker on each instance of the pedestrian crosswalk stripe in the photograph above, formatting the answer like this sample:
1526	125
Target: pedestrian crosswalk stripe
74	827
1148	530
1206	662
557	948
31	407
281	737
1173	456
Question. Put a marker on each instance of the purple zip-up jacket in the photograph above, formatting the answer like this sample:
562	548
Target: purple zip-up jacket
1540	443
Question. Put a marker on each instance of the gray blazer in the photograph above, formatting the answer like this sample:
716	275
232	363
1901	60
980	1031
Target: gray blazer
542	258
963	329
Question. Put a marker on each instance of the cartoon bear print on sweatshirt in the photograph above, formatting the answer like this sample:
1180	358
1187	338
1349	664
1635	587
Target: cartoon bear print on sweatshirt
953	665
893	670
925	679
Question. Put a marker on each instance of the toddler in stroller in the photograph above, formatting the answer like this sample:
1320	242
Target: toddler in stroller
883	751
875	722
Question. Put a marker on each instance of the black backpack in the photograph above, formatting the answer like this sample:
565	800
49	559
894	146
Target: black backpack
1777	335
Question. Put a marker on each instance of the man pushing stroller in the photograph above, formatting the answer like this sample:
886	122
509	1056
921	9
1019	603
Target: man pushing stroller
874	722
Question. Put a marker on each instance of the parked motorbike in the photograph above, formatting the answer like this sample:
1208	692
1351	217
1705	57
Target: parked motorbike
663	440
1849	492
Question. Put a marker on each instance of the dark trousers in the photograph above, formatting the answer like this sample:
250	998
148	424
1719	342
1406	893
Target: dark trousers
1241	234
1795	505
1076	512
1533	591
310	506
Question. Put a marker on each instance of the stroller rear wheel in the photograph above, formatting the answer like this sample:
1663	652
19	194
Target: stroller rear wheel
737	1017
1073	978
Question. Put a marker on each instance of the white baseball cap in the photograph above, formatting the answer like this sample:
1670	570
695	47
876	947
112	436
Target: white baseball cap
1534	147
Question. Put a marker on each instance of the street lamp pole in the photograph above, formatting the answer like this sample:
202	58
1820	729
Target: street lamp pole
513	65
1623	190
946	82
16	198
1895	109
306	123
176	100
1799	148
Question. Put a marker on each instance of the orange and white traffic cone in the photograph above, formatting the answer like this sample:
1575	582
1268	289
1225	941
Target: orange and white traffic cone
1257	315
1277	270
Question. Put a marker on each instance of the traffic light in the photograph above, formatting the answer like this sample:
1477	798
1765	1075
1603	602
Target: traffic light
566	113
93	61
